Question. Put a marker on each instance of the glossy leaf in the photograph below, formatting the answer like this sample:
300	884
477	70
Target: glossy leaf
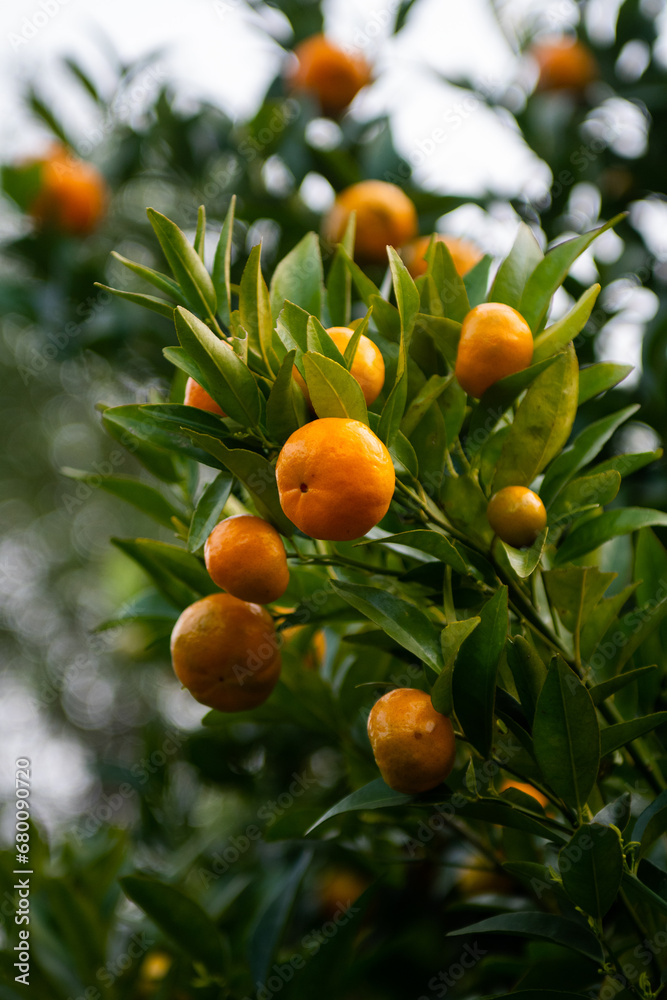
286	408
606	689
567	933
151	302
575	591
299	278
524	562
209	510
185	263
560	333
625	636
452	298
339	281
542	424
476	280
255	310
465	506
591	867
402	621
566	735
474	680
594	379
617	736
432	389
222	264
528	671
515	270
451	639
146	498
333	391
162	282
432	542
584	493
270	926
616	813
651	824
584	538
625	465
375	795
159	558
444	332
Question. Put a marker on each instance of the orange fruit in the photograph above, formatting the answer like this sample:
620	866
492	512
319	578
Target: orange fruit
564	64
413	745
73	195
521	786
464	253
495	342
367	367
335	479
334	77
246	557
385	216
196	395
517	515
483	882
339	888
225	652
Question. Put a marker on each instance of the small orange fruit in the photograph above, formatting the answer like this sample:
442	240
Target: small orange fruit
334	77
413	745
521	786
335	479
73	195
385	217
517	515
246	557
339	888
495	342
196	395
464	253
564	64
367	366
483	882
225	652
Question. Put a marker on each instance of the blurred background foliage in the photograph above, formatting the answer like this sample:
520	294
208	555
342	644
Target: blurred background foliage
135	781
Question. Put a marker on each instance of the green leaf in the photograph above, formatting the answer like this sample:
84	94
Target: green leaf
319	342
160	281
627	635
497	400
180	918
407	296
151	302
465	506
257	475
22	183
591	867
431	541
560	333
270	926
186	264
333	391
200	233
402	621
452	298
451	639
524	562
229	380
143	437
502	812
445	334
222	265
616	813
209	510
159	559
575	591
148	607
558	930
133	491
339	282
255	310
542	424
474	680
583	450
584	493
292	327
299	277
515	270
528	671
614	737
476	280
432	389
286	408
586	537
606	689
566	735
594	379
375	795
642	898
551	272
601	619
651	824
627	464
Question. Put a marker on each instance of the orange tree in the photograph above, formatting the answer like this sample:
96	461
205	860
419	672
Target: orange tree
547	676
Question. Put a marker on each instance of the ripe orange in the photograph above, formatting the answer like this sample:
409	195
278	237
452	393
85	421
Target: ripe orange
339	888
367	367
385	216
495	341
334	77
564	64
225	652
245	556
196	395
517	515
464	253
526	789
413	745
73	195
335	479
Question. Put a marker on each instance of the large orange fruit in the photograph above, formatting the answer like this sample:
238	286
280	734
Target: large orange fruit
334	77
335	479
246	557
385	217
413	745
225	652
73	195
495	342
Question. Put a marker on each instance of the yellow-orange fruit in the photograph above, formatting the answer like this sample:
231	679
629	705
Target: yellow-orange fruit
367	367
334	77
464	254
73	195
413	745
495	342
521	786
517	515
385	217
245	556
225	652
564	64
196	395
335	479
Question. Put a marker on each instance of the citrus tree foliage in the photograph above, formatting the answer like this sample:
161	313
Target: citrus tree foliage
549	670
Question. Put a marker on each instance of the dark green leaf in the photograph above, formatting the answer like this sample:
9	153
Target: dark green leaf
444	332
209	510
476	280
614	737
528	671
299	278
255	310
375	795
286	408
431	541
222	265
616	813
429	392
515	270
524	562
452	298
451	639
465	506
586	537
159	558
651	823
163	282
606	689
591	867
333	391
339	282
575	591
185	263
151	302
270	926
133	491
539	925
